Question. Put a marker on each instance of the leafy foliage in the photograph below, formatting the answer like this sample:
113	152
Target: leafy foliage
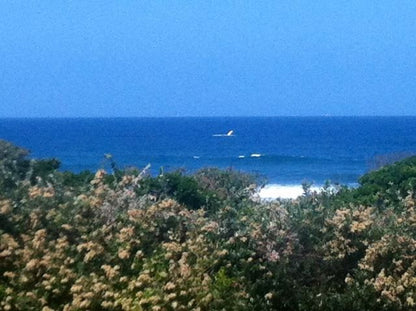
389	183
125	241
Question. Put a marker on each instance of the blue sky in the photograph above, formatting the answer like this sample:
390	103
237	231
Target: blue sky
207	58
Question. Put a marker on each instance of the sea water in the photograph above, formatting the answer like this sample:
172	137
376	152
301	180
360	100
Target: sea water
286	150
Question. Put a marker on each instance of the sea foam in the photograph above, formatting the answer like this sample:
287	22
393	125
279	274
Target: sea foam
274	191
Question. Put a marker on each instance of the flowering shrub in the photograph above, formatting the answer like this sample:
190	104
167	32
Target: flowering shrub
197	242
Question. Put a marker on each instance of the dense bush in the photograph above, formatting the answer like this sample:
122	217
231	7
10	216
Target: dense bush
393	180
127	241
13	165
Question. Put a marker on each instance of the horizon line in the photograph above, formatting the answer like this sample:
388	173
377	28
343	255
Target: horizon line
208	117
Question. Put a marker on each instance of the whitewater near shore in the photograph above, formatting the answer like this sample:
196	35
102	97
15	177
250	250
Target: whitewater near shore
277	191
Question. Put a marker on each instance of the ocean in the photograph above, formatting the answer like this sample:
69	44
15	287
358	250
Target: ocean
286	150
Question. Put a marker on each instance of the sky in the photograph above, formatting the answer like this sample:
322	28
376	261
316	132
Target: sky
207	58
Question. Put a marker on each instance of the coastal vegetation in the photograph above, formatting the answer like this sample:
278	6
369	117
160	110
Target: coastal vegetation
124	240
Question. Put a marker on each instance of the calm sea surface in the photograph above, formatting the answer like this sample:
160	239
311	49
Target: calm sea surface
287	150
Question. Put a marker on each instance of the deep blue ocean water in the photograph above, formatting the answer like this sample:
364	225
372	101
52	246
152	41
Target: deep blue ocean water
292	149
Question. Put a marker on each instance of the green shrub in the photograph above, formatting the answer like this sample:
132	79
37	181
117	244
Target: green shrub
390	182
123	241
